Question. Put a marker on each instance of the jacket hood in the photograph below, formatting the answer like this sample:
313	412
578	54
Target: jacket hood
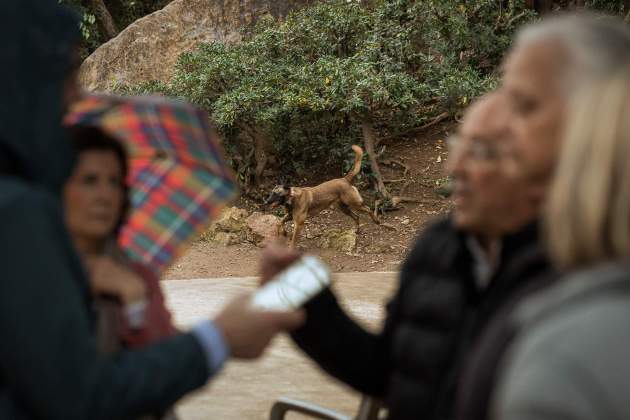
38	40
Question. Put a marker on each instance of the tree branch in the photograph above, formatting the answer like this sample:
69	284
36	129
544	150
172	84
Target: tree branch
104	19
434	121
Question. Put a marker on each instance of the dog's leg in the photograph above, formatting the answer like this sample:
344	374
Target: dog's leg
297	228
284	219
346	210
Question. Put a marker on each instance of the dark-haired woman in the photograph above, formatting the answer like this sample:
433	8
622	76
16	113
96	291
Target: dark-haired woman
130	306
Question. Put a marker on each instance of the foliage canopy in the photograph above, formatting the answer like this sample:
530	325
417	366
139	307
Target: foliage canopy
305	88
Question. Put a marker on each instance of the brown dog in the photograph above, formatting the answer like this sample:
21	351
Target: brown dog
302	202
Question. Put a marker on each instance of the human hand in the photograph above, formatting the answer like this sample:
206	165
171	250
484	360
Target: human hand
275	258
248	331
112	278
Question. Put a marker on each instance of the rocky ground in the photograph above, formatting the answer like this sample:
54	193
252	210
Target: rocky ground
230	248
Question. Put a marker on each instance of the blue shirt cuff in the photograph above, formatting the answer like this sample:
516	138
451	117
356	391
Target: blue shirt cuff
213	344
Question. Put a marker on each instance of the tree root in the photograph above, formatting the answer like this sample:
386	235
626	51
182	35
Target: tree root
388	226
392	162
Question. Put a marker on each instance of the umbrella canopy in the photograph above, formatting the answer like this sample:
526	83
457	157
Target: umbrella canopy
178	178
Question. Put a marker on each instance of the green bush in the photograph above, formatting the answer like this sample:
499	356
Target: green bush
306	88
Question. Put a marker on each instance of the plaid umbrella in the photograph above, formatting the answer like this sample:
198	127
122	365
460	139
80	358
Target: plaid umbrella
179	181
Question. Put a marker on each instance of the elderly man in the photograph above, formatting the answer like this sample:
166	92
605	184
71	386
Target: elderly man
457	273
548	63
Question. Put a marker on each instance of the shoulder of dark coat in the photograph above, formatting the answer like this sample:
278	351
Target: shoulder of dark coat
438	245
16	195
31	208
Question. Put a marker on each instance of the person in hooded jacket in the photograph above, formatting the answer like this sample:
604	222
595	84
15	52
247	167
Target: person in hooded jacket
50	367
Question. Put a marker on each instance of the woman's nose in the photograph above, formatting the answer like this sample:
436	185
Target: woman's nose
106	193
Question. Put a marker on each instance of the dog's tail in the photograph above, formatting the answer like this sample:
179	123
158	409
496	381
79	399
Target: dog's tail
358	155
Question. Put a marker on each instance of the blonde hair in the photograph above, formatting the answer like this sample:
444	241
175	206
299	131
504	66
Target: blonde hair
588	212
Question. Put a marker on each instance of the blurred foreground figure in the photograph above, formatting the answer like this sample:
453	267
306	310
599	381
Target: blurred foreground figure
569	359
50	367
550	62
457	274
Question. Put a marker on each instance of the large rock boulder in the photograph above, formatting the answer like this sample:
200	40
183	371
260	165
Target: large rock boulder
262	228
228	229
235	226
148	49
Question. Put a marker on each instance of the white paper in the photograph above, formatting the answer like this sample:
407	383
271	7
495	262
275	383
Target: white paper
294	286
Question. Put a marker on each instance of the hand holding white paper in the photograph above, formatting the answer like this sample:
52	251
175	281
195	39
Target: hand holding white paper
294	286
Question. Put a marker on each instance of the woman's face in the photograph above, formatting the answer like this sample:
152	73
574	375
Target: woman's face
94	196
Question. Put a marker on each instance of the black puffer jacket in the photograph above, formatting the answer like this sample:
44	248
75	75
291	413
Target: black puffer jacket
415	362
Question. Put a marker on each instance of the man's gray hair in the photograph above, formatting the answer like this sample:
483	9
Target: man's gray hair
596	46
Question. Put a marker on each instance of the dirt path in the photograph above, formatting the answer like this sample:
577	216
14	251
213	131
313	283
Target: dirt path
247	390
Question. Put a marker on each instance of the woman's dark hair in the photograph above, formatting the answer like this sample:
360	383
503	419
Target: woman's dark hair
90	138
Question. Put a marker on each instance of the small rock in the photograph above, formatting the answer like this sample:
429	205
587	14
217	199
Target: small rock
376	248
340	240
225	238
232	219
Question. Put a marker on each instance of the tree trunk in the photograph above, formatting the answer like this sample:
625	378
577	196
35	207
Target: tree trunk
261	144
261	149
104	19
543	6
369	139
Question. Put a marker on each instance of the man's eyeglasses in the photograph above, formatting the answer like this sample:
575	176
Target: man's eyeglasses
476	149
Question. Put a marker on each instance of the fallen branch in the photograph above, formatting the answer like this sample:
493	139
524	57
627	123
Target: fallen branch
388	226
397	199
396	162
434	121
380	206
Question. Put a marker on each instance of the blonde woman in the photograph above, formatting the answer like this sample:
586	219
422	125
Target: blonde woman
569	359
